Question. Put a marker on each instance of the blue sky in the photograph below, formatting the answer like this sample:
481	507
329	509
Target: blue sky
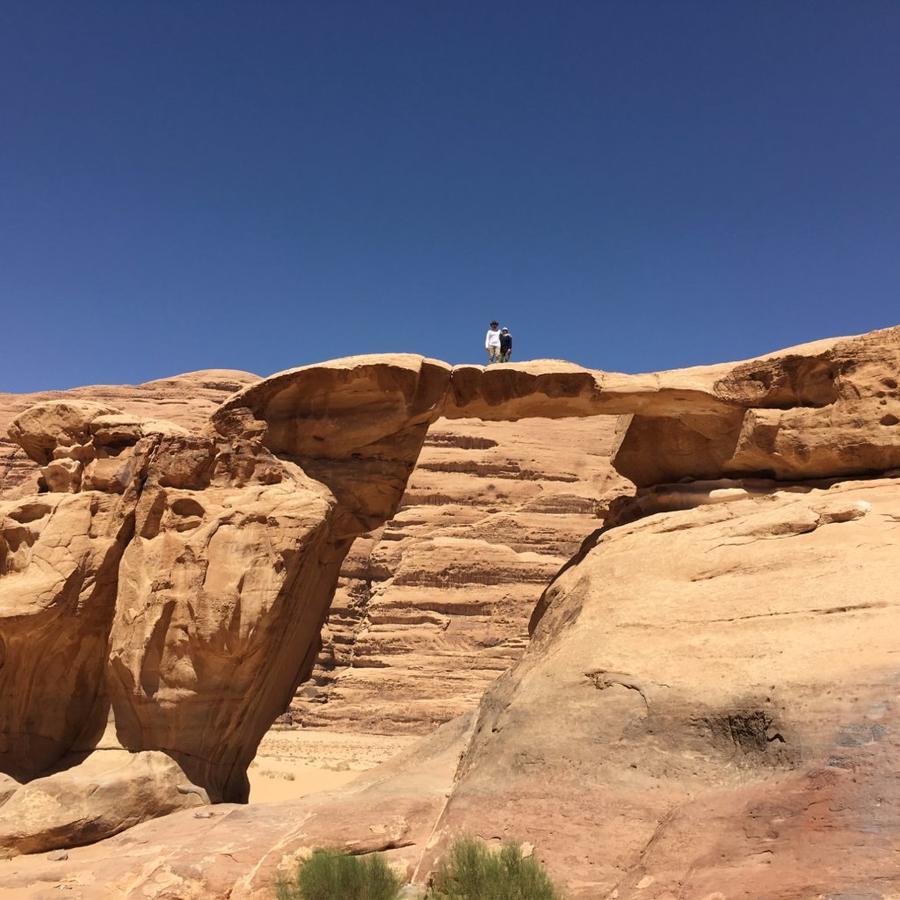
631	185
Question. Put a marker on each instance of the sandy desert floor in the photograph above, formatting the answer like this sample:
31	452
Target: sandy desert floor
295	762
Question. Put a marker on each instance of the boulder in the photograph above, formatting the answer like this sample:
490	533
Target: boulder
99	796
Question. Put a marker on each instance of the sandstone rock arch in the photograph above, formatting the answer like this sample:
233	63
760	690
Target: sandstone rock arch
180	580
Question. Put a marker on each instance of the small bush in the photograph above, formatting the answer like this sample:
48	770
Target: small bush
331	875
472	872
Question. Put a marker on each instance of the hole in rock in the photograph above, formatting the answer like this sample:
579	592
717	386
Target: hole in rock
187	506
432	606
30	512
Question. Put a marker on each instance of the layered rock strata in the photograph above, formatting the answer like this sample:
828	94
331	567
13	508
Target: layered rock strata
208	558
433	606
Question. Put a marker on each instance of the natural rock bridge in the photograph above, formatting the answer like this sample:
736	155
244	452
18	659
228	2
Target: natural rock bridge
162	599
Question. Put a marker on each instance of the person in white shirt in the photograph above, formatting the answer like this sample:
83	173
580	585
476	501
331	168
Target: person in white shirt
492	343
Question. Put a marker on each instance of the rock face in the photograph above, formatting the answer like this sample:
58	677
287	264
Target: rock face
355	425
178	581
59	556
200	563
433	606
709	697
186	400
707	708
815	411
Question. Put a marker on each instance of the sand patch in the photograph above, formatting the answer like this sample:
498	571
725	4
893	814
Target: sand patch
295	762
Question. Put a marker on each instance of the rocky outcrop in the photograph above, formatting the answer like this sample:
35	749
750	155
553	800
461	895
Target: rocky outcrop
203	563
59	557
193	604
355	425
710	694
186	400
707	708
815	411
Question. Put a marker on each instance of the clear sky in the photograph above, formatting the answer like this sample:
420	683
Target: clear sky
631	185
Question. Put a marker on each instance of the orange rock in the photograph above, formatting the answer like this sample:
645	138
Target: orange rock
180	582
433	606
714	715
187	400
707	705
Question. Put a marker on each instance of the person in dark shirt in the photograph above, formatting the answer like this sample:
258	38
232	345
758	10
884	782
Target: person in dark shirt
505	345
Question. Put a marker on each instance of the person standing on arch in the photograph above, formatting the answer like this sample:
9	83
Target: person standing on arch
492	343
505	345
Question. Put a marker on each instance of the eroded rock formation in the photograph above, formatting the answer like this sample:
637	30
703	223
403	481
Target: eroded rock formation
433	606
208	560
709	697
185	400
200	585
708	708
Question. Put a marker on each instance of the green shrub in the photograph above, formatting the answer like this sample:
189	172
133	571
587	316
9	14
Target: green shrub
472	872
331	875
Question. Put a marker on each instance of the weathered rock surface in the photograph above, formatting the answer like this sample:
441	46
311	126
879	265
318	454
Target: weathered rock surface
187	400
816	411
528	488
203	576
389	810
207	559
709	697
98	796
59	556
222	591
356	425
716	717
433	606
